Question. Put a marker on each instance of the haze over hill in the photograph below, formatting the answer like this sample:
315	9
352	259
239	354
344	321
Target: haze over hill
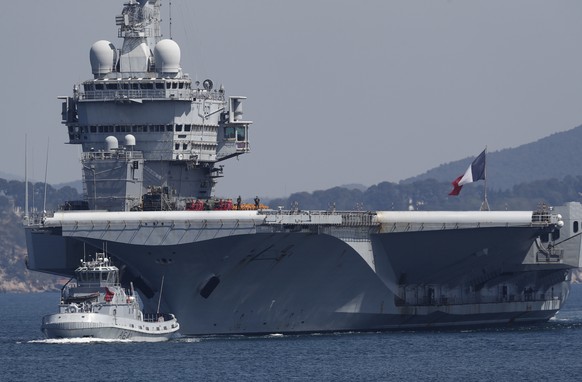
555	156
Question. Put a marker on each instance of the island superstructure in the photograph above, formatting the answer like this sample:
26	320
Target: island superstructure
151	145
142	123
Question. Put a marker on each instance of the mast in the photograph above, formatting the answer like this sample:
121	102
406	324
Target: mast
25	179
45	175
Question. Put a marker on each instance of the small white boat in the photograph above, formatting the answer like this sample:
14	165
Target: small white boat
98	307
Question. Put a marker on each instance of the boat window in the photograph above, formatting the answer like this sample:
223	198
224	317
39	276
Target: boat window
169	128
178	127
104	276
159	85
177	146
229	133
240	134
111	86
147	85
125	85
181	85
98	86
184	146
187	127
575	227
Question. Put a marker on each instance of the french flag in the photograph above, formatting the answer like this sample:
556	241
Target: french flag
475	172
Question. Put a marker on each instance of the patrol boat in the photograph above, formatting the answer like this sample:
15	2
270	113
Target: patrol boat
153	142
97	306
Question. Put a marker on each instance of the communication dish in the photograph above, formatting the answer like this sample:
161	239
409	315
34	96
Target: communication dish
207	84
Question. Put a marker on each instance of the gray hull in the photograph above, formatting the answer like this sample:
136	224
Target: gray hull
91	325
314	282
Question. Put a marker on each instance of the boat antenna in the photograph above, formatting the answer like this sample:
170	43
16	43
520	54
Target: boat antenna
26	178
170	6
45	174
160	297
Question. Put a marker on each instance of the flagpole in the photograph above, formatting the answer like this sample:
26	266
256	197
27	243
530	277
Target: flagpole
485	204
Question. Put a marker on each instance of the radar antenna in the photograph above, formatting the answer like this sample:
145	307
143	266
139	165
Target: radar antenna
170	6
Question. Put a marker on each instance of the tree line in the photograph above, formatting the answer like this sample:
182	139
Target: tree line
432	195
427	195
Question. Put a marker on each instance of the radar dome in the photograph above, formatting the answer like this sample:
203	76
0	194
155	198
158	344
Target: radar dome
103	57
167	57
130	140
112	143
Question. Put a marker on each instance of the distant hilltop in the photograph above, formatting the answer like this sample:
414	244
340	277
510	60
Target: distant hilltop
553	157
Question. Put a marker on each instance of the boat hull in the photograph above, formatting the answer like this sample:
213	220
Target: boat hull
93	325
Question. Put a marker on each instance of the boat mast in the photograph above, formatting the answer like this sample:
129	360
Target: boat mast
25	179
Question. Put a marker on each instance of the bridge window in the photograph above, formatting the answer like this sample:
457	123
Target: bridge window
241	135
229	133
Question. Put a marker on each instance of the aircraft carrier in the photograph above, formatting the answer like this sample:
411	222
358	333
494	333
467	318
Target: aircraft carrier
153	142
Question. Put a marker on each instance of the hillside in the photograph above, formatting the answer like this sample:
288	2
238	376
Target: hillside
555	156
14	277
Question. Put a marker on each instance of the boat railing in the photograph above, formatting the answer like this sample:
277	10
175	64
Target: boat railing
339	218
157	317
152	94
115	154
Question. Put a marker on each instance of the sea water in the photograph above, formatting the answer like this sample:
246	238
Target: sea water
543	352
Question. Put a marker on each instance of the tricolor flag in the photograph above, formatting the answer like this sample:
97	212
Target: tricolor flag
475	172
